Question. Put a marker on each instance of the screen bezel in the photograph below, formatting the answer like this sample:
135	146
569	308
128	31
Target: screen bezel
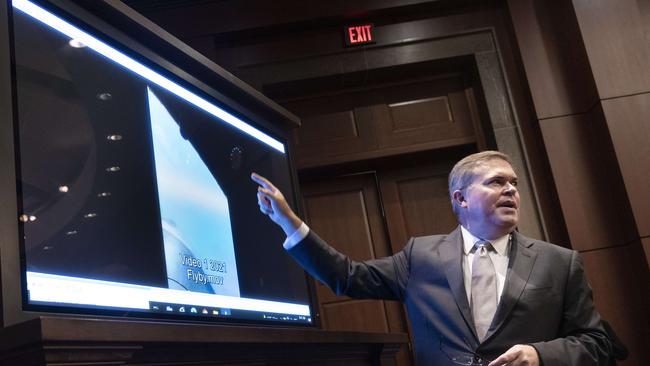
258	112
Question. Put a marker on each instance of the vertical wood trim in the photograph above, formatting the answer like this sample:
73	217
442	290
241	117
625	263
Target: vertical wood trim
508	138
479	132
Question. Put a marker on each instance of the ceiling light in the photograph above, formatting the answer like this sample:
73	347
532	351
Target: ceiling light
64	189
104	96
76	43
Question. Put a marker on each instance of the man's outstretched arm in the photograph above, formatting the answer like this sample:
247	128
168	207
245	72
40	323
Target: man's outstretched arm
383	278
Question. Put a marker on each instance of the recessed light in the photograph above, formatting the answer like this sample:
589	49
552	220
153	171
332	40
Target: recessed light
104	96
113	169
64	189
76	43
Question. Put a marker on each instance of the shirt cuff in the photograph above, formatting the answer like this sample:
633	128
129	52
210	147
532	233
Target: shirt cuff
297	236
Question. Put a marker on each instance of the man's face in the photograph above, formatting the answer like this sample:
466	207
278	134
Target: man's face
491	202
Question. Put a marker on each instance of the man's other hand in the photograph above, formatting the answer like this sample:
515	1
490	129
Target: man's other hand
273	204
518	355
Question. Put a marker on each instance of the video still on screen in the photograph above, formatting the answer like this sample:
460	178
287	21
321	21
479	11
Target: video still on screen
134	189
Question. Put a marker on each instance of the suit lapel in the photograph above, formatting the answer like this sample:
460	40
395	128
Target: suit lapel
451	255
520	265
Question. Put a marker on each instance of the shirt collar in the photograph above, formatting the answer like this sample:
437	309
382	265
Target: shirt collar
500	244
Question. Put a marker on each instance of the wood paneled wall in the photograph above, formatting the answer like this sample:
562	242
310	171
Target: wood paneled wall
586	72
616	38
587	66
272	50
480	35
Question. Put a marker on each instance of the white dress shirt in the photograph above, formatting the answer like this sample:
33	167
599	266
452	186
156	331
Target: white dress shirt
296	237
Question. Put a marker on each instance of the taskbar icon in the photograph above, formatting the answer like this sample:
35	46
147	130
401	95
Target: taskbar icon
188	309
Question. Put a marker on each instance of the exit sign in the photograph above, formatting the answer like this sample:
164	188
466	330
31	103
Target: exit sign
358	35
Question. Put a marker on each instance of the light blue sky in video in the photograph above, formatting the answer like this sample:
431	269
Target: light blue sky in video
192	204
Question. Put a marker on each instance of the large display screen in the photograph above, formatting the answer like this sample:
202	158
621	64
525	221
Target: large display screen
134	187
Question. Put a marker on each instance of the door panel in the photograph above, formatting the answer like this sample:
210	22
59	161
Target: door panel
384	120
436	111
367	315
342	218
416	202
341	132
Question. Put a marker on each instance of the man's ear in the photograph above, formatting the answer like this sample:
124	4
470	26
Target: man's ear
459	198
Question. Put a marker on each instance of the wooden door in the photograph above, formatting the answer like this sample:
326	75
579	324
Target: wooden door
372	215
346	212
407	134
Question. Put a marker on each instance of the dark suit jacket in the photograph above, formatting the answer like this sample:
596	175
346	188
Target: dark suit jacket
546	301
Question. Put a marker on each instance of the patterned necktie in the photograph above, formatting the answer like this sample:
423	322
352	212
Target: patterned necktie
484	288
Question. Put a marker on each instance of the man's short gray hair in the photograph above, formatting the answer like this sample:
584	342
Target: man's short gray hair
463	172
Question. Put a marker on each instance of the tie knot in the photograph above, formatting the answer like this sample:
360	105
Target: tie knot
482	244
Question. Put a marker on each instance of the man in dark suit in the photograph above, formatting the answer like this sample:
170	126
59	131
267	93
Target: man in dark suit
482	295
